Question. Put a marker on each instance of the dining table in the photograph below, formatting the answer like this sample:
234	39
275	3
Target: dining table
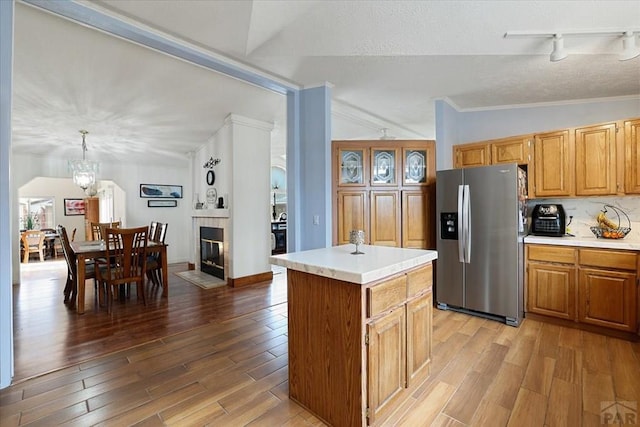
91	249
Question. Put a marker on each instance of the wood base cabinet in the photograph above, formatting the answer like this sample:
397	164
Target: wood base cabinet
584	285
357	352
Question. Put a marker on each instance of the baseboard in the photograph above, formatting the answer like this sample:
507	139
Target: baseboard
629	336
250	280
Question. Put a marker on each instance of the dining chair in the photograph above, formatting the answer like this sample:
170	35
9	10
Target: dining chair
154	265
71	287
127	261
97	228
33	241
153	229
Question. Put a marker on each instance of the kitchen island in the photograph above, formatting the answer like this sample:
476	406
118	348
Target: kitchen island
359	329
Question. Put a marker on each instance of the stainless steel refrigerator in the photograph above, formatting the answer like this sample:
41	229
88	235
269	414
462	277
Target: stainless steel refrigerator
481	215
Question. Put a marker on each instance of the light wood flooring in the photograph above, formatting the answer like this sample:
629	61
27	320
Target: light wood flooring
232	371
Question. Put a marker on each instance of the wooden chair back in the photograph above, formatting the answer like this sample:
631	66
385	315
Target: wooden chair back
153	229
98	228
33	241
126	259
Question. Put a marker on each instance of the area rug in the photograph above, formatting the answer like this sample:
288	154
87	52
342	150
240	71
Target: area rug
203	280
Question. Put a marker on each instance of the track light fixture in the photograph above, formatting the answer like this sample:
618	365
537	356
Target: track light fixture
629	48
558	53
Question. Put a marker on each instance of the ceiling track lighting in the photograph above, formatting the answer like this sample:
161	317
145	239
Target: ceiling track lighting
558	53
630	49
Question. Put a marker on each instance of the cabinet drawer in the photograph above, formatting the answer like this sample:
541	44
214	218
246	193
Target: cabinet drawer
608	259
419	280
386	295
551	253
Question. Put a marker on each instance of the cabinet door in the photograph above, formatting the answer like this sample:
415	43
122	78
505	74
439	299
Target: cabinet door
417	220
471	155
632	156
385	218
384	166
419	314
353	213
91	214
551	290
596	160
553	164
418	163
386	364
510	150
352	167
608	298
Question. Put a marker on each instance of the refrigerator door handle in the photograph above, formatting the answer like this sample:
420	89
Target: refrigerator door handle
467	223
461	235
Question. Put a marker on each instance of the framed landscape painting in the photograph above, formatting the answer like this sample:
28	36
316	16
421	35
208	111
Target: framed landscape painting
73	207
160	191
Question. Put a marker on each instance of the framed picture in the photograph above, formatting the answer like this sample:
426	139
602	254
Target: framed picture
162	203
74	207
157	191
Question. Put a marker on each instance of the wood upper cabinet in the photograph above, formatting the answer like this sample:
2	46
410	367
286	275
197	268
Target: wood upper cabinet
595	156
353	214
632	156
471	155
385	218
351	166
511	150
554	174
369	179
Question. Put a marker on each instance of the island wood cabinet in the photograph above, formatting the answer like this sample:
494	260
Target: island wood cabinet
357	352
632	156
386	189
584	285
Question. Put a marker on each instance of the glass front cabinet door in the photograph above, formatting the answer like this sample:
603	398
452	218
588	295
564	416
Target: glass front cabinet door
352	167
383	166
415	166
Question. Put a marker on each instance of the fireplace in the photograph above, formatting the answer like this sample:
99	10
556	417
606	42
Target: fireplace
212	251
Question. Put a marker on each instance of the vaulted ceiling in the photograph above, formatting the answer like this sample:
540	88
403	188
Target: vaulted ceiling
388	61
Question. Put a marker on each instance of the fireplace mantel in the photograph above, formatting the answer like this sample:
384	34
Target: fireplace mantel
210	213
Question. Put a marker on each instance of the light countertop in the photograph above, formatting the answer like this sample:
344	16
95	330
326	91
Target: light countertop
631	242
337	262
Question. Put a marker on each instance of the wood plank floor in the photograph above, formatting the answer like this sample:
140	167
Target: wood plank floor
231	370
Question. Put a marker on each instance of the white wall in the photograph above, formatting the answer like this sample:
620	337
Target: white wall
461	127
243	177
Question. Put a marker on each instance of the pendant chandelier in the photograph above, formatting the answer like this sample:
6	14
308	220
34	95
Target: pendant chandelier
84	171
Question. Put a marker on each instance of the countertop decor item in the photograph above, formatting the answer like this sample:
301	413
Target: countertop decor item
357	238
607	228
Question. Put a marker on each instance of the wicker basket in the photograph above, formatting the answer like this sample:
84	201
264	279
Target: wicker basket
602	232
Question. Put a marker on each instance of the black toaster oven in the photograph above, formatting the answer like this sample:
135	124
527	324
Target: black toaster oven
548	220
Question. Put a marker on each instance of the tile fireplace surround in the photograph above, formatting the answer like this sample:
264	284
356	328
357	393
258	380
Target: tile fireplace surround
218	218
